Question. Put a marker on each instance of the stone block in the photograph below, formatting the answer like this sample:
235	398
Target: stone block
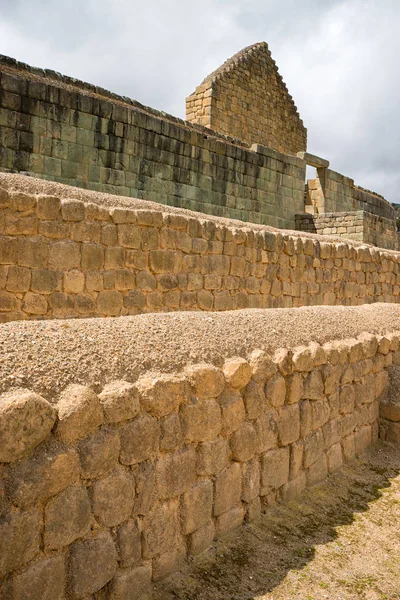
20	537
289	425
314	386
230	520
320	413
64	256
51	468
72	210
233	411
92	564
66	517
140	440
294	488
129	543
318	471
207	381
74	282
79	413
92	257
212	457
43	579
99	453
390	411
161	529
244	442
18	279
274	469
26	419
201	539
171	432
228	489
113	497
335	457
129	236
275	391
362	439
197	506
381	382
201	420
162	394
34	304
305	418
313	448
170	561
296	459
120	401
295	388
8	250
175	473
109	303
267	431
332	431
237	372
347	397
45	281
251	480
254	399
48	207
131	584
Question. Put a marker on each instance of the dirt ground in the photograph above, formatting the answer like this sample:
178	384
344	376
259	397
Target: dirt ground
340	541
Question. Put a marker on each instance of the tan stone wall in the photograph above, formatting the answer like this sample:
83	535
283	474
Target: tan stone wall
360	226
66	258
247	99
115	489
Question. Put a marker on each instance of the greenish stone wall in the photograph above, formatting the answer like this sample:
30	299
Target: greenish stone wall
63	130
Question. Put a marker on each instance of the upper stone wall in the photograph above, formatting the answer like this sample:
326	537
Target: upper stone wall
247	98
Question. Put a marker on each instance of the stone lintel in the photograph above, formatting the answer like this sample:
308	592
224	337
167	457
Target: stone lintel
314	161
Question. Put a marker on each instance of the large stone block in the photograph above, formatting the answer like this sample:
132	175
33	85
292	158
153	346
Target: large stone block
320	413
233	411
347	397
201	420
197	506
43	579
20	536
161	529
254	400
266	428
140	440
230	520
289	425
129	543
207	381
92	564
201	539
64	256
275	391
66	517
262	366
161	394
251	480
99	453
237	372
26	419
50	469
171	432
79	413
313	448
120	401
175	473
314	386
113	497
244	442
131	584
212	457
274	469
228	489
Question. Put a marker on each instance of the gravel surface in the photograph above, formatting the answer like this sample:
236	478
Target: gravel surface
33	185
47	355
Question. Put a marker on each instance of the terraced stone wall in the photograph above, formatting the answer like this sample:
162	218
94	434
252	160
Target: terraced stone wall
68	258
115	489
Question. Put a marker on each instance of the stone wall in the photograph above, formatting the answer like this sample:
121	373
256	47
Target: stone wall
357	225
112	490
68	258
247	99
63	130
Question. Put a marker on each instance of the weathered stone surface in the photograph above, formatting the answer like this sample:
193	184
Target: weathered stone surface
162	394
348	447
139	439
43	579
131	584
228	489
47	472
320	413
266	428
171	432
275	391
99	453
262	366
113	497
362	439
390	411
175	473
347	399
293	488
296	458
145	488
161	529
274	469
305	418
201	539
168	562
314	386
19	539
233	411
66	517
251	480
237	372
230	520
381	382
289	425
244	442
197	506
318	471
129	543
79	413
313	448
335	458
92	564
26	419
201	420
212	457
207	381
332	432
295	388
120	401
254	399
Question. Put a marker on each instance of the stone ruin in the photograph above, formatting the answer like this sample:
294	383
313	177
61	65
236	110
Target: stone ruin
118	463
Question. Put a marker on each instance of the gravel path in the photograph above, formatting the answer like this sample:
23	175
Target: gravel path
47	355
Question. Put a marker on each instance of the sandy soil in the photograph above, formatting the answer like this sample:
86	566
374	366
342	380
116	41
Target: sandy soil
47	355
341	541
33	185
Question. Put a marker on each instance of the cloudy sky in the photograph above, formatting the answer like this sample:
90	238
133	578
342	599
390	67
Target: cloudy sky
339	58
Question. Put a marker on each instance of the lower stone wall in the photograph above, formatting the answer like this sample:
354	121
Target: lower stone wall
359	225
113	490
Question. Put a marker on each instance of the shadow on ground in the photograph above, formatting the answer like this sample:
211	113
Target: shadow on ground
255	560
